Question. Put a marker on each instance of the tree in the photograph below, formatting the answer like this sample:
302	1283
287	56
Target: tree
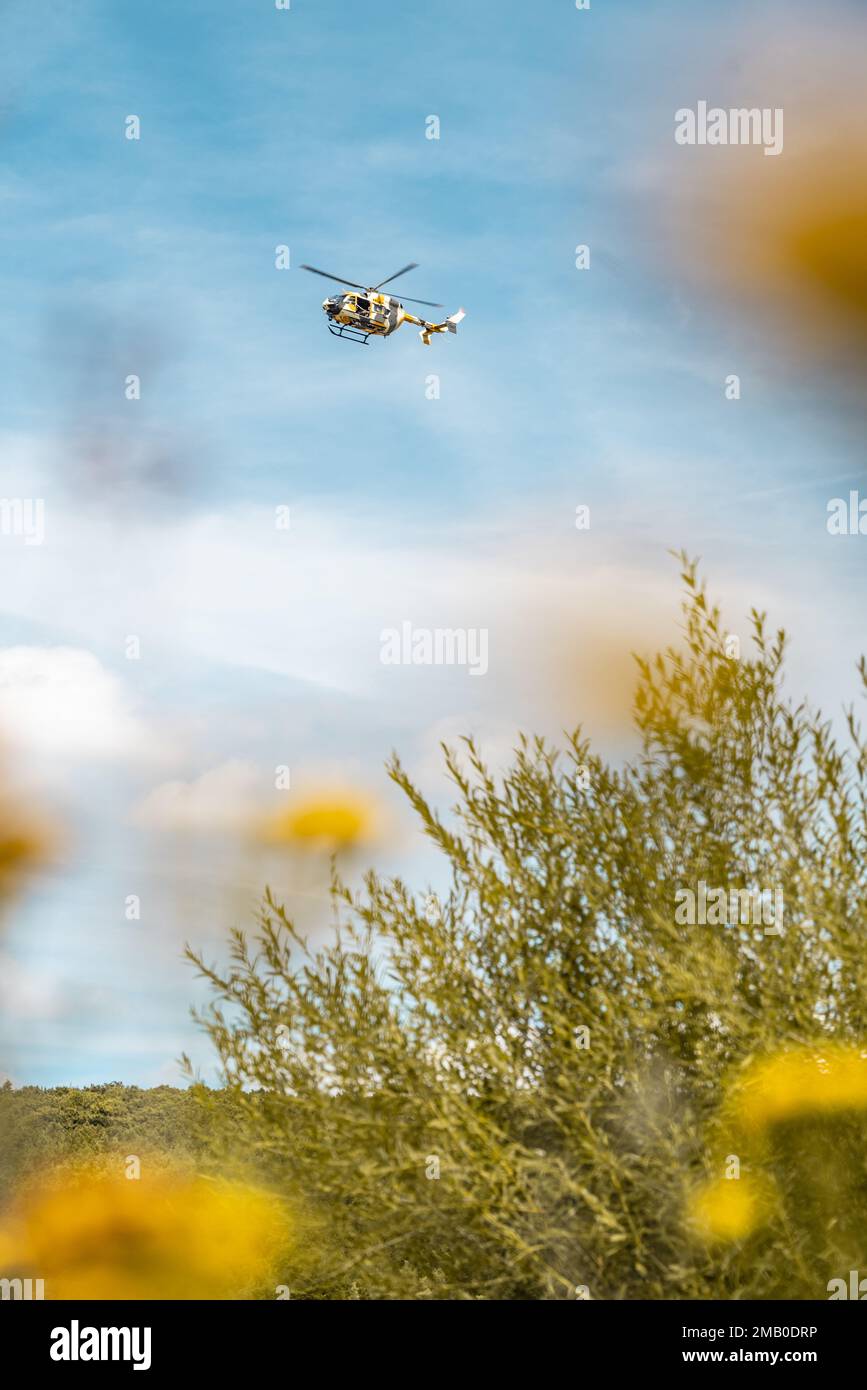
547	1087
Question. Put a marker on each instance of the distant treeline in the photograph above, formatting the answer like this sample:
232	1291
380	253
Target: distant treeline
68	1123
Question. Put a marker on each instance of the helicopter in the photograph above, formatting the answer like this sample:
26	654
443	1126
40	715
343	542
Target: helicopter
373	315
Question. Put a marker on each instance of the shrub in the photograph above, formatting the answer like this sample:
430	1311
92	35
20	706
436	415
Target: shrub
525	1091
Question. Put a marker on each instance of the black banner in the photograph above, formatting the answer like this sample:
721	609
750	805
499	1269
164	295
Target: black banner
234	1338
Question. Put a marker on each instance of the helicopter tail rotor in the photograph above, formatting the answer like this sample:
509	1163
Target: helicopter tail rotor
449	325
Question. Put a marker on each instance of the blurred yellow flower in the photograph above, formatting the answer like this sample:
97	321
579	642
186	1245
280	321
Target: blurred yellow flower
818	1080
25	844
786	238
165	1236
728	1209
805	1081
328	820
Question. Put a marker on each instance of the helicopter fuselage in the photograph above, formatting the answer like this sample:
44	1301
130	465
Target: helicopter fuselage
367	312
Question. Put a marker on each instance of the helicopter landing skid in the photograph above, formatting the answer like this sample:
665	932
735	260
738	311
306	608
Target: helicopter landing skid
353	335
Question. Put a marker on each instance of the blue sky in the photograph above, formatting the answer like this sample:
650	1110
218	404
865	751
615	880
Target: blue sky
563	387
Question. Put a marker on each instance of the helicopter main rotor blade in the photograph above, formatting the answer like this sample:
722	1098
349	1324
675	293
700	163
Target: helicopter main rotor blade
326	276
413	265
429	302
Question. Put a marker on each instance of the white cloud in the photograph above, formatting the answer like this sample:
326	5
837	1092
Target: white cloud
225	798
28	994
221	595
61	701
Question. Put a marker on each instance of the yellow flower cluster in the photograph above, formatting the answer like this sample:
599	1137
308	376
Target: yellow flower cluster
728	1209
804	1082
323	820
93	1236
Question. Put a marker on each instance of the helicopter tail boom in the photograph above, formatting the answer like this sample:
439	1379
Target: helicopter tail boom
449	325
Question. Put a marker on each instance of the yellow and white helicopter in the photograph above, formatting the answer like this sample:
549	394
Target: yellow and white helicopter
369	314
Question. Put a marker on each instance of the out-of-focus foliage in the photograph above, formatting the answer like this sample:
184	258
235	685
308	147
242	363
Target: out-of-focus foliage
427	1080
